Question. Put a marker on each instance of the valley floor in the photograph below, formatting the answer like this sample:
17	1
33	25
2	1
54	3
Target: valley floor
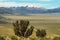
50	23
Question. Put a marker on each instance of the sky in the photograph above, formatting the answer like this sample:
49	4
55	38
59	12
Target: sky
31	3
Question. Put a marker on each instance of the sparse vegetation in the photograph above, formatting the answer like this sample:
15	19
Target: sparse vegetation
33	38
56	38
2	38
52	27
14	38
41	34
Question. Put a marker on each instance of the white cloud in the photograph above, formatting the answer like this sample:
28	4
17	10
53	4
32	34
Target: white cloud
7	4
14	4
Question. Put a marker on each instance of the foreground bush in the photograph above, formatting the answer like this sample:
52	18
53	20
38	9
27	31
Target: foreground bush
56	38
30	38
14	38
45	38
2	38
33	38
40	33
21	28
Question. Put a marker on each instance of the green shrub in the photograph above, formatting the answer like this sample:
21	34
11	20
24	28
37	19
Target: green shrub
2	38
45	38
14	38
56	38
40	33
32	38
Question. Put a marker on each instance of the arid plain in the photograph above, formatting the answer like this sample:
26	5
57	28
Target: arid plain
50	23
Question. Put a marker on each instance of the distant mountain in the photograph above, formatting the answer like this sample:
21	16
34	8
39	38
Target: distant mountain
5	10
55	10
27	10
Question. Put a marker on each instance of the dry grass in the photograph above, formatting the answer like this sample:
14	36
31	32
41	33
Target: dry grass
6	30
34	17
50	23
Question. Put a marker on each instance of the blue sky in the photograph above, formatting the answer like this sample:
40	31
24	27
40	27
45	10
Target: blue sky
30	3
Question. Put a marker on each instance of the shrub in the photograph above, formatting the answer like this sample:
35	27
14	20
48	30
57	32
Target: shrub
40	33
45	38
21	28
14	38
2	38
33	39
29	32
56	38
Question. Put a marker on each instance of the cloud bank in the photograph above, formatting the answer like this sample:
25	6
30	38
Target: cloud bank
14	4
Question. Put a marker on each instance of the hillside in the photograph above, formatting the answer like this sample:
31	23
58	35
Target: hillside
3	20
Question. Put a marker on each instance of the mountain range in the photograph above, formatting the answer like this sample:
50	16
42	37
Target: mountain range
27	10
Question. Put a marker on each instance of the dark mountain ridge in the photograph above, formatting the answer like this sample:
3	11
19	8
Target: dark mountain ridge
27	10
